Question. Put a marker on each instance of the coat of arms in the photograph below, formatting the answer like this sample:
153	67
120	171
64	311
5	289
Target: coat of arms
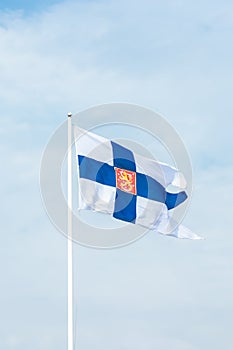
126	180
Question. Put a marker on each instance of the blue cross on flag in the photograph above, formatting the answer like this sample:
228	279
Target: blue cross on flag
117	181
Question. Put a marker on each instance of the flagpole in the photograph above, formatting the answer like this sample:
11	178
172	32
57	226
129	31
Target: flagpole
70	245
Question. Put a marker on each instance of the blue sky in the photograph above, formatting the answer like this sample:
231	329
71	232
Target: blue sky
174	57
27	6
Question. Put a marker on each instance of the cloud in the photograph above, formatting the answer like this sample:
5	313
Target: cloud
76	54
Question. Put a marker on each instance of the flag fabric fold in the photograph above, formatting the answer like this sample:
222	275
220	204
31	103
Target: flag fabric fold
115	180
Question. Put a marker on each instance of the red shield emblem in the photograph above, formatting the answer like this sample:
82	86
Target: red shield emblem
126	180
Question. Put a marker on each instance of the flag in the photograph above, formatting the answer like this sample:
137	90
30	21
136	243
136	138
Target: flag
115	180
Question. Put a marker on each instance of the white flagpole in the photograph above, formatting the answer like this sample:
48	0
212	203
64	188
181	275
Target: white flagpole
70	245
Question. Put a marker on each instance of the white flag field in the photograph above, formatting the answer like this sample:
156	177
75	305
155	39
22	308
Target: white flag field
119	182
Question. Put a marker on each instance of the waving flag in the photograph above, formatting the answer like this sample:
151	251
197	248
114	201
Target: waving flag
117	181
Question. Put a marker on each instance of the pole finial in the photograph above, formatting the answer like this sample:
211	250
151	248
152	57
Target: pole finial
69	115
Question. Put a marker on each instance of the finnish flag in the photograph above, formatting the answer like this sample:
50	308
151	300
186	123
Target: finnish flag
117	181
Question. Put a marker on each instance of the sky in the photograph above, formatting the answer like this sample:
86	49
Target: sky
174	57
